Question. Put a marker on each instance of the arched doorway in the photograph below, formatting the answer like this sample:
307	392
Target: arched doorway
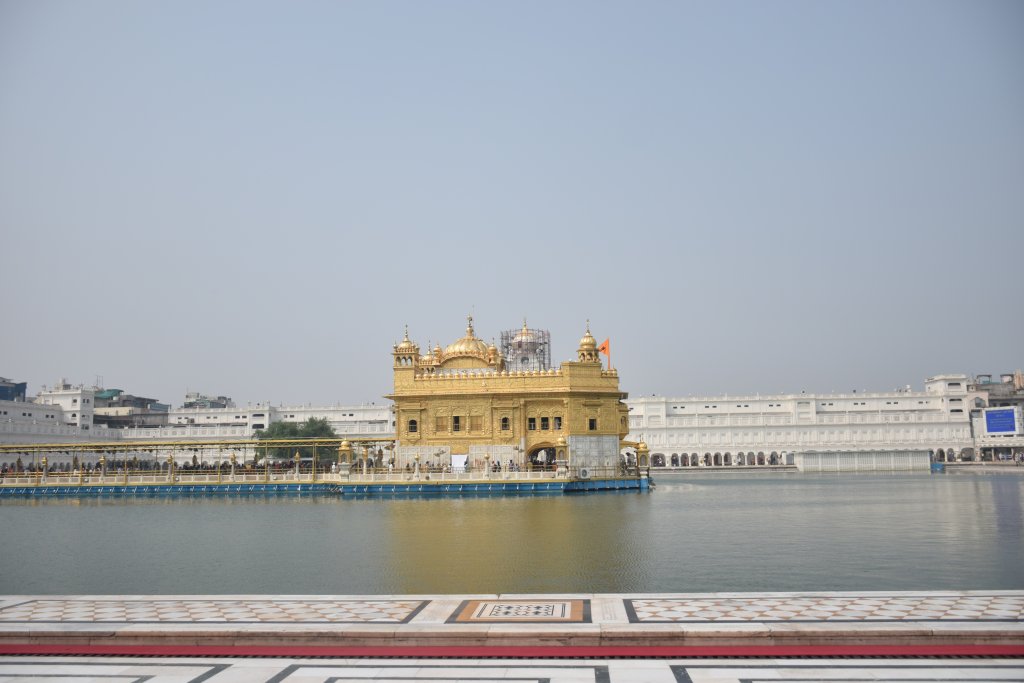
675	460
658	460
542	457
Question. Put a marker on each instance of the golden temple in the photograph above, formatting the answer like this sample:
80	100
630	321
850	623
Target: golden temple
465	404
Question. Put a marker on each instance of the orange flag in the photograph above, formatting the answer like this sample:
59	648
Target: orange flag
606	349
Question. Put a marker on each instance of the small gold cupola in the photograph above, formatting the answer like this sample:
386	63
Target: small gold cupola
587	353
406	353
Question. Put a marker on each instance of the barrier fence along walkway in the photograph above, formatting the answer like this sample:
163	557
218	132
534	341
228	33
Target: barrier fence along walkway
289	476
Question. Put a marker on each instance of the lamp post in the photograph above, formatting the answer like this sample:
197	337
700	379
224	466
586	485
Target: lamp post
42	478
233	460
170	467
297	458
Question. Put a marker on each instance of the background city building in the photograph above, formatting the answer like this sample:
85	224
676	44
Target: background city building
954	418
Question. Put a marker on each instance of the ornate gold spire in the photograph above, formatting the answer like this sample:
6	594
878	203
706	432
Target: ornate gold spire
407	344
588	347
588	341
468	345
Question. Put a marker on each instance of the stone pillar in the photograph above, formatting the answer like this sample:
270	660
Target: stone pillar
344	459
233	460
42	478
297	459
643	460
561	457
170	468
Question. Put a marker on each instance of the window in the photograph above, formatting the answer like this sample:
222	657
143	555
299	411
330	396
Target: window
476	423
592	424
558	422
456	423
504	424
544	424
413	427
440	424
531	423
74	401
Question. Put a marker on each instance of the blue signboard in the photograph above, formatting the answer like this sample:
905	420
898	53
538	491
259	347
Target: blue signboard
1000	421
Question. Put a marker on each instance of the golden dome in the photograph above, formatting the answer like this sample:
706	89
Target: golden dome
588	342
407	346
469	345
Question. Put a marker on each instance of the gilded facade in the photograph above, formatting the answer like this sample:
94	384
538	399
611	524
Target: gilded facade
461	403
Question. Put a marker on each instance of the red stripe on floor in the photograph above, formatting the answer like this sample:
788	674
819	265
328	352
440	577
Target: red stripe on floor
483	652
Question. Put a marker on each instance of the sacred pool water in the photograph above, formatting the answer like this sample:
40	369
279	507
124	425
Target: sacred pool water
694	533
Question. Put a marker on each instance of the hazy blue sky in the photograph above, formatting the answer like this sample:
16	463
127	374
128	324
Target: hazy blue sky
253	198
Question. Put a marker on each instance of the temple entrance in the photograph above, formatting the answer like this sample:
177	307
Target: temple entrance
542	458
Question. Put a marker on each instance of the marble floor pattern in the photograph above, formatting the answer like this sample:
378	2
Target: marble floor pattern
193	610
213	670
977	607
928	607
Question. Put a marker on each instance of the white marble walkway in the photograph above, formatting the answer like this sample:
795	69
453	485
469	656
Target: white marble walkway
212	670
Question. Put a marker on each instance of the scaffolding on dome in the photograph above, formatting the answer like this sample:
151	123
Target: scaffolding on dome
526	348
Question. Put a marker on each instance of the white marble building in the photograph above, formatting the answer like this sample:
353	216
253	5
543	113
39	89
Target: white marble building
352	421
759	430
77	402
770	429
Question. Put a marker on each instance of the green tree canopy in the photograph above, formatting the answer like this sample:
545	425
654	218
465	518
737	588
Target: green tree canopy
313	428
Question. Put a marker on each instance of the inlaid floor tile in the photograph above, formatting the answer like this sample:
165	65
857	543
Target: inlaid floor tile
283	670
902	608
522	611
156	611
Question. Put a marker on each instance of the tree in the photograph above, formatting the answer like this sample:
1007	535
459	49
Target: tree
313	428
